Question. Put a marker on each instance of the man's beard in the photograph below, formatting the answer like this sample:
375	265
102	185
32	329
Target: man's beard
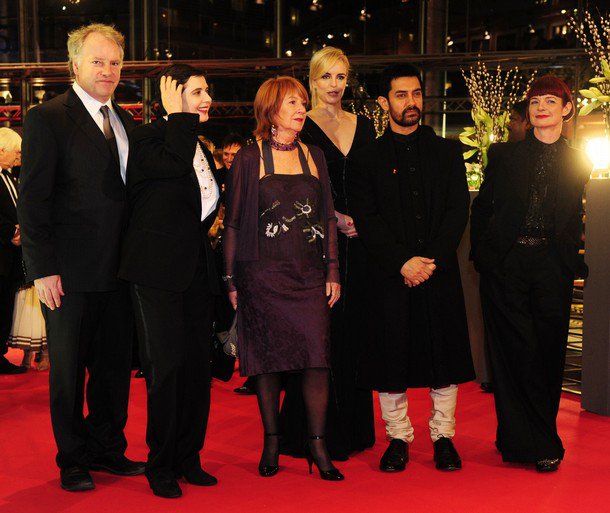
402	121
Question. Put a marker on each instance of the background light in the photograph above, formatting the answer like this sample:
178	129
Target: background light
598	151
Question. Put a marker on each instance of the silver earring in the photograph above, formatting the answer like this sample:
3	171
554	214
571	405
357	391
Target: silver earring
273	131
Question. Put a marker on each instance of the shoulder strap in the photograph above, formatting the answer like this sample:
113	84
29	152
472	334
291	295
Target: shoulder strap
303	160
268	158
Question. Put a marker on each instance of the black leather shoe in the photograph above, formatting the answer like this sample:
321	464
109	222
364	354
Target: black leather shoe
197	476
445	455
487	387
548	465
117	464
7	367
76	479
139	374
164	485
395	457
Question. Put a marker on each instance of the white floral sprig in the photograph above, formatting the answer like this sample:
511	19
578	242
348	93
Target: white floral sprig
595	39
493	93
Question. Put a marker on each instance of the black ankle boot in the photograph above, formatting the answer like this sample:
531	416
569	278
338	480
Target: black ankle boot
269	470
331	474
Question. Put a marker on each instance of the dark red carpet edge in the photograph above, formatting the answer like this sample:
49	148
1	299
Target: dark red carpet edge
29	479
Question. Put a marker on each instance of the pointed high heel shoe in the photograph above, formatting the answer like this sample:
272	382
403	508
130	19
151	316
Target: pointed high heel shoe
332	474
268	470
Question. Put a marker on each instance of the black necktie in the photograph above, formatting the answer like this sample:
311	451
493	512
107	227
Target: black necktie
109	132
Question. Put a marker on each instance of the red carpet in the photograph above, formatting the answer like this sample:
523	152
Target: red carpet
29	479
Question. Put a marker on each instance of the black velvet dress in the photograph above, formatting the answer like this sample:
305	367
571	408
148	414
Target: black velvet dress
350	424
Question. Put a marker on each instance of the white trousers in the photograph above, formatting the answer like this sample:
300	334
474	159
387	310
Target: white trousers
442	417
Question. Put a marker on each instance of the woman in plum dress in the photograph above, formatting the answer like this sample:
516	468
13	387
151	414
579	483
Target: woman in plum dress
281	265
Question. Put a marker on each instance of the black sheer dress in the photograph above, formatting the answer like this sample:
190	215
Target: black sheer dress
350	424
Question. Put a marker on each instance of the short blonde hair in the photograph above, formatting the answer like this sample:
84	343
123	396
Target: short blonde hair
268	102
320	63
9	139
76	40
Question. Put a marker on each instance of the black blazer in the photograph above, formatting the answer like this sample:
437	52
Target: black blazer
166	237
10	255
72	200
499	210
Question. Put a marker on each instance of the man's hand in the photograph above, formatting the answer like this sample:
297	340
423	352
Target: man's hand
16	240
333	291
50	290
346	225
417	270
171	95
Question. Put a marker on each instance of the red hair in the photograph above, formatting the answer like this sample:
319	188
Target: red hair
268	102
550	84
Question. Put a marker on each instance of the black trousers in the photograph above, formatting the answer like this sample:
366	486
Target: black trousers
174	333
8	288
92	331
526	309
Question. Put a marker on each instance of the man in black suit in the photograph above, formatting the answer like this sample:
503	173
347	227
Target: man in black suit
408	196
72	212
174	191
10	242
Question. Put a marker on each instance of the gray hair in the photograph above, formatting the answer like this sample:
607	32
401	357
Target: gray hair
9	139
76	40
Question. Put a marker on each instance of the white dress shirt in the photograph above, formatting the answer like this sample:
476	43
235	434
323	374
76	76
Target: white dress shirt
93	107
207	184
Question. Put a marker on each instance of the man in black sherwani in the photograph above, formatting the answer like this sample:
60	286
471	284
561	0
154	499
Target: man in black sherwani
408	196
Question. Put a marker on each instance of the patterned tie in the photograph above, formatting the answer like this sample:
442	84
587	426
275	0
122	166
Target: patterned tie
109	132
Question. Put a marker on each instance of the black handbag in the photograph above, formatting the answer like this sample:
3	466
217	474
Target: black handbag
224	352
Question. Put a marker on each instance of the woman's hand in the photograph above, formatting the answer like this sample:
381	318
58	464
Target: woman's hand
233	298
346	225
333	291
171	95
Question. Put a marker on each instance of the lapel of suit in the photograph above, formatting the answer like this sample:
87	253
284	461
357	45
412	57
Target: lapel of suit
519	177
124	116
386	164
81	118
429	164
567	187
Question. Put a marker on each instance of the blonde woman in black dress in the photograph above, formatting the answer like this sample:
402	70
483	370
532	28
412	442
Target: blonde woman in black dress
338	133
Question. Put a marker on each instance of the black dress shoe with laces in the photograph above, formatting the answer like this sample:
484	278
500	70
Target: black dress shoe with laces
117	464
7	367
445	455
197	476
548	465
76	479
395	457
163	484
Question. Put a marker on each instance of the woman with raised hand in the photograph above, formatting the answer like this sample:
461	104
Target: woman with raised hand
173	192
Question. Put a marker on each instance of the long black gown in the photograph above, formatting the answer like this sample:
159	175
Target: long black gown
350	424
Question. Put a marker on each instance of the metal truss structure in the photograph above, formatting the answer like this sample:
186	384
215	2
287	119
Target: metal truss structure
36	75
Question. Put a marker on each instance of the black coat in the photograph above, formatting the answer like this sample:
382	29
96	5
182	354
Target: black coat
417	336
499	210
72	199
10	255
166	237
